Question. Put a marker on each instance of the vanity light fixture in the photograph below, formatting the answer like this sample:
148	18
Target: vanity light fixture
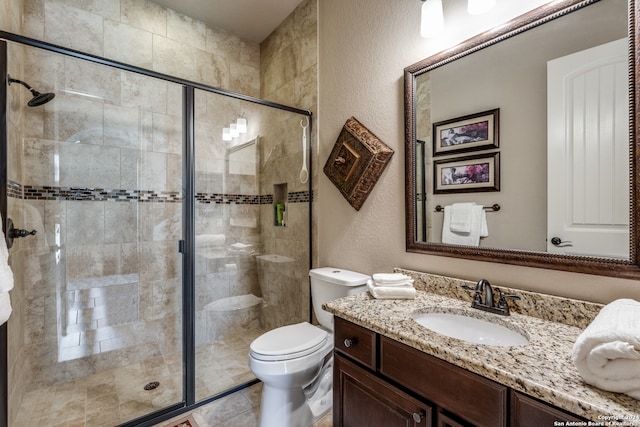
226	134
233	130
431	19
477	7
241	125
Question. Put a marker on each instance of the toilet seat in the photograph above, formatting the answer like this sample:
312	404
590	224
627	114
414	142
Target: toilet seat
288	342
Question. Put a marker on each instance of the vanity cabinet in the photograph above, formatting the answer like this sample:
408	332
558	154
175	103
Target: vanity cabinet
381	382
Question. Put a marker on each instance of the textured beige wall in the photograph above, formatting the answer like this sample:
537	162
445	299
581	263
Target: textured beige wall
364	47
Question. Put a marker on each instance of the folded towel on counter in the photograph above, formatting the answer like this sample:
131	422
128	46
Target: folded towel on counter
478	228
391	279
607	352
391	292
461	217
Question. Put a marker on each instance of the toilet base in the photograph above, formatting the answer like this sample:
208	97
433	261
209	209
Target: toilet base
284	408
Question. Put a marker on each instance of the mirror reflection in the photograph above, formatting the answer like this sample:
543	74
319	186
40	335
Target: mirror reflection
536	125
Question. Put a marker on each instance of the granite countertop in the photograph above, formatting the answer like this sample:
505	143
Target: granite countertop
542	368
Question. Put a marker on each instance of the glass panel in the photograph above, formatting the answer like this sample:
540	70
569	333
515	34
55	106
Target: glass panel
252	234
97	172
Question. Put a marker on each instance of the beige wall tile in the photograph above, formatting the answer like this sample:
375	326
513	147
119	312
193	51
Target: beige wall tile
173	58
186	30
63	24
139	44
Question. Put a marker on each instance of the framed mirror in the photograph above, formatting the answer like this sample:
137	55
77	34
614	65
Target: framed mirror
535	123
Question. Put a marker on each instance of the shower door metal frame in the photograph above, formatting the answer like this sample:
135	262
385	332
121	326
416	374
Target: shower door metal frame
187	244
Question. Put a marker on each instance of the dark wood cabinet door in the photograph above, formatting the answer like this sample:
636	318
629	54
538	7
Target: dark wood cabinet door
445	420
528	412
362	399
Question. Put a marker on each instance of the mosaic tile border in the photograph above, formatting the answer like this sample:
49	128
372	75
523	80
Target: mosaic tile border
33	192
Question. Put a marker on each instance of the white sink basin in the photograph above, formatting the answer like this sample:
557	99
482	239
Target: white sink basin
470	329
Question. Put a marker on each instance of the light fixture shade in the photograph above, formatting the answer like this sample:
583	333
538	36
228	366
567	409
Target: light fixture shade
233	130
226	134
477	7
432	18
241	125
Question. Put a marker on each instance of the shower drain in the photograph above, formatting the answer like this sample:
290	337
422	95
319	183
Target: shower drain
152	385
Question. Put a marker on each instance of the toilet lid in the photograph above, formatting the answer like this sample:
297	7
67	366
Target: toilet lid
288	342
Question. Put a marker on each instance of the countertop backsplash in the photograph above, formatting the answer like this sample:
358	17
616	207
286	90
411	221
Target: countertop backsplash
548	307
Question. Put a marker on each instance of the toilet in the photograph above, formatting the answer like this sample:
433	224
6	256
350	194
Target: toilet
295	362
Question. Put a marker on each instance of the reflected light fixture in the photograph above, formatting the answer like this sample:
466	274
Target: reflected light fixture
477	7
431	18
226	134
241	125
233	130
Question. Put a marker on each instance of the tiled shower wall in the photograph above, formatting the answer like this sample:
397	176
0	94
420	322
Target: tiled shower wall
144	34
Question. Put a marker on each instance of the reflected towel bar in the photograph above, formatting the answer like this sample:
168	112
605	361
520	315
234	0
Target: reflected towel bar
494	208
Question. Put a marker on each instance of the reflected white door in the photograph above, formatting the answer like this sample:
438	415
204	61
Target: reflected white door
588	152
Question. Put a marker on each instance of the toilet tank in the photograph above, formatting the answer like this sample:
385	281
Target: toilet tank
328	284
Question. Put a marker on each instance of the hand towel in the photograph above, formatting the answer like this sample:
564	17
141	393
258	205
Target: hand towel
472	238
6	275
461	217
391	279
5	307
607	352
391	292
6	280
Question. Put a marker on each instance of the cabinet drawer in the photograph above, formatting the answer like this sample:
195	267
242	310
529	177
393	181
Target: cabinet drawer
470	396
355	341
528	412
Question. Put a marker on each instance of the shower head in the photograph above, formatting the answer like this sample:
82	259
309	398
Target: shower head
38	98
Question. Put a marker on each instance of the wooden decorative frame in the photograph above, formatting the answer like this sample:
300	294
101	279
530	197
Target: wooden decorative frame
356	162
467	174
629	269
469	133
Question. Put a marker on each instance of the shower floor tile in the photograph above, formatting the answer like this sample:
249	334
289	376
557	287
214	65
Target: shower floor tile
117	395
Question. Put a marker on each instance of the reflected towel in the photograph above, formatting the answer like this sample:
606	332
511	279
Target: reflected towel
607	353
461	217
472	238
391	292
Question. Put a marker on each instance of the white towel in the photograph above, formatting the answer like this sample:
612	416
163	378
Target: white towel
5	307
472	238
6	280
391	279
607	353
461	217
391	292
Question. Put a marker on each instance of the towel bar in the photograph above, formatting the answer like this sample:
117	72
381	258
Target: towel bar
493	208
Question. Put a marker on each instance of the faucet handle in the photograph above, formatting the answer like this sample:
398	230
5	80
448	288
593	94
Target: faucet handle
502	302
477	298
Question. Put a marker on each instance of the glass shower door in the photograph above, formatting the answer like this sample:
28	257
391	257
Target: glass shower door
97	172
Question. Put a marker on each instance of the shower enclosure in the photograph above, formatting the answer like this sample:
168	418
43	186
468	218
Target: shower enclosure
160	250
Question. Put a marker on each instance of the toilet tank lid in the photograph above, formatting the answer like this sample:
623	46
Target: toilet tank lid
339	276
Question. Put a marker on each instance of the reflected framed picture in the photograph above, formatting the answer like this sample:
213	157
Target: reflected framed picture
467	174
468	133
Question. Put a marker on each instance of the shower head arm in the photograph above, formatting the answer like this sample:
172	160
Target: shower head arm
12	80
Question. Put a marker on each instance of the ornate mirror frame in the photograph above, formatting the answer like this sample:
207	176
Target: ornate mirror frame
601	266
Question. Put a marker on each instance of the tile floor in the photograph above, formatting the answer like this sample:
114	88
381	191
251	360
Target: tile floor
117	395
241	409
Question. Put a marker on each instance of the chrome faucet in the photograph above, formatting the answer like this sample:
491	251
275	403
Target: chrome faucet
483	298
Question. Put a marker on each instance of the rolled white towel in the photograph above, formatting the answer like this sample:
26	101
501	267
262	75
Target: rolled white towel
391	279
391	292
607	352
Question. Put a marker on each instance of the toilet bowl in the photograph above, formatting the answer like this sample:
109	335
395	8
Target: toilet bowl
295	362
